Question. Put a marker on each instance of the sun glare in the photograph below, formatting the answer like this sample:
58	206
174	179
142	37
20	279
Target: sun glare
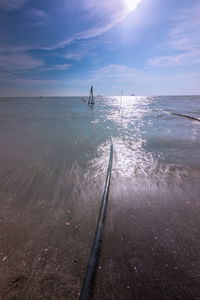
132	4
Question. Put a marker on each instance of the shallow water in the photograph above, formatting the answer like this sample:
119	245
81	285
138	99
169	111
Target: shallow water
53	160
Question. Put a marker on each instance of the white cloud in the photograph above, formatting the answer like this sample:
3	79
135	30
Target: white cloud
84	35
19	61
185	33
186	58
183	39
22	81
56	67
74	56
106	13
114	11
114	71
37	13
11	4
37	17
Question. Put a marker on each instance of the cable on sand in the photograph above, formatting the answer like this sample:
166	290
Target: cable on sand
89	282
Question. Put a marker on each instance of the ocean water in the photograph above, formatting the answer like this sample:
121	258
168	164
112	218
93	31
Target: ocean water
53	161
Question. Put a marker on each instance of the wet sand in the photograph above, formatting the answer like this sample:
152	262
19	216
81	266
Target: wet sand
150	251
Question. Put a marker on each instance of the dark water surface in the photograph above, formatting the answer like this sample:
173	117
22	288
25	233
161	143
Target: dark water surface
53	160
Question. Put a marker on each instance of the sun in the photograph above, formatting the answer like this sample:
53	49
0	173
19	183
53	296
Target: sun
131	4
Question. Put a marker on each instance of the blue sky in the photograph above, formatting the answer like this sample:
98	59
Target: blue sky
62	47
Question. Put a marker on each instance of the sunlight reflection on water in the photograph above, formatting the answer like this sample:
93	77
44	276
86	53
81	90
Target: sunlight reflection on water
136	122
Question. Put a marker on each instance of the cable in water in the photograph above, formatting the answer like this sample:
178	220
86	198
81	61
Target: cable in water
89	282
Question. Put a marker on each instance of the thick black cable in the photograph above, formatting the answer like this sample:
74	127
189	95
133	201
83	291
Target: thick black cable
89	282
186	116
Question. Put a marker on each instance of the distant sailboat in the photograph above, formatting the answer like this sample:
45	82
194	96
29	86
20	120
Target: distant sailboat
91	97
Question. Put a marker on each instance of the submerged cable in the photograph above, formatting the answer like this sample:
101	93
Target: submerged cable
186	116
89	282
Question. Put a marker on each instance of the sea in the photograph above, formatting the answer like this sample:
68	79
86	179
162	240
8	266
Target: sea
54	154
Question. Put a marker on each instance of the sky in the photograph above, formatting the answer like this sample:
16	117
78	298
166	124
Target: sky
62	47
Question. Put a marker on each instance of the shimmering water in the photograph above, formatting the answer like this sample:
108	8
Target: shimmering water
53	159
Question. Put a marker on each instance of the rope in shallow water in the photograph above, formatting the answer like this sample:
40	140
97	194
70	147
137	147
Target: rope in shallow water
186	116
89	282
